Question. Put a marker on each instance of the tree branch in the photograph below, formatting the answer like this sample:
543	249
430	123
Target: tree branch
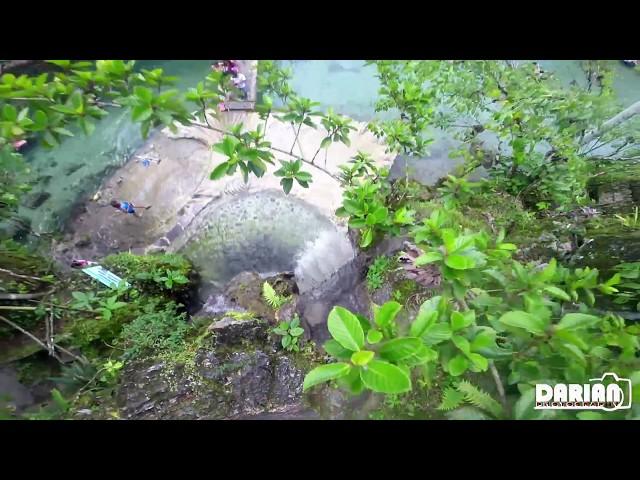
498	382
17	275
220	130
621	117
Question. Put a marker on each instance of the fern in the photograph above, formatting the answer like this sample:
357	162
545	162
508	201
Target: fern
480	399
451	398
274	300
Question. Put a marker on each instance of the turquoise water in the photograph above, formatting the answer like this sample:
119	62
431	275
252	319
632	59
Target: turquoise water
76	168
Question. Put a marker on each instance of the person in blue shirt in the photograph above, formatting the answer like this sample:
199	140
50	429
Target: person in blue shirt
127	207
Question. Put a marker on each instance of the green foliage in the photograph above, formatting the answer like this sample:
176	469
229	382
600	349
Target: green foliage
535	322
456	191
154	331
378	271
540	123
290	333
629	284
103	329
272	298
383	368
337	127
159	273
630	221
366	202
290	171
247	151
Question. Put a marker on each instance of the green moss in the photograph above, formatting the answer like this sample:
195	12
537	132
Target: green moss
147	271
403	290
87	330
616	171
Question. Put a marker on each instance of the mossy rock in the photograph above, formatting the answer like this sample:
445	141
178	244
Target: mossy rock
149	272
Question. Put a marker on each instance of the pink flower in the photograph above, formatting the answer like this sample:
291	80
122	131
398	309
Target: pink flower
19	143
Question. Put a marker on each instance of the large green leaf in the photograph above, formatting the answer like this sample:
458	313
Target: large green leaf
336	350
324	373
423	321
399	349
374	336
459	262
220	171
345	328
141	113
573	321
557	293
362	357
286	183
460	320
384	377
457	365
428	257
524	320
436	333
384	315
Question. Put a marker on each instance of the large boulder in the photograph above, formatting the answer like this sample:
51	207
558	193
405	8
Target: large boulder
237	371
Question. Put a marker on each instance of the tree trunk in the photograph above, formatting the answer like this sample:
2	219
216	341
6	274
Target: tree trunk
622	117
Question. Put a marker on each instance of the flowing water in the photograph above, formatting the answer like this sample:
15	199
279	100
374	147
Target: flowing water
265	232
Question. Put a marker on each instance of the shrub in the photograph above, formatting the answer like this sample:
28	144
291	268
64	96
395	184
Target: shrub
155	331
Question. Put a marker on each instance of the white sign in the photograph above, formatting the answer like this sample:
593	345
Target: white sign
615	394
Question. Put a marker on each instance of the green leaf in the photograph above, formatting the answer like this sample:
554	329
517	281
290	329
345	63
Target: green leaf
144	94
459	262
383	377
325	142
457	365
480	362
367	238
286	341
461	343
558	293
59	400
480	399
220	171
336	350
573	321
374	336
436	333
384	315
400	349
345	328
140	113
9	113
362	357
451	399
324	373
287	184
429	257
63	131
423	321
296	332
462	320
523	320
524	407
